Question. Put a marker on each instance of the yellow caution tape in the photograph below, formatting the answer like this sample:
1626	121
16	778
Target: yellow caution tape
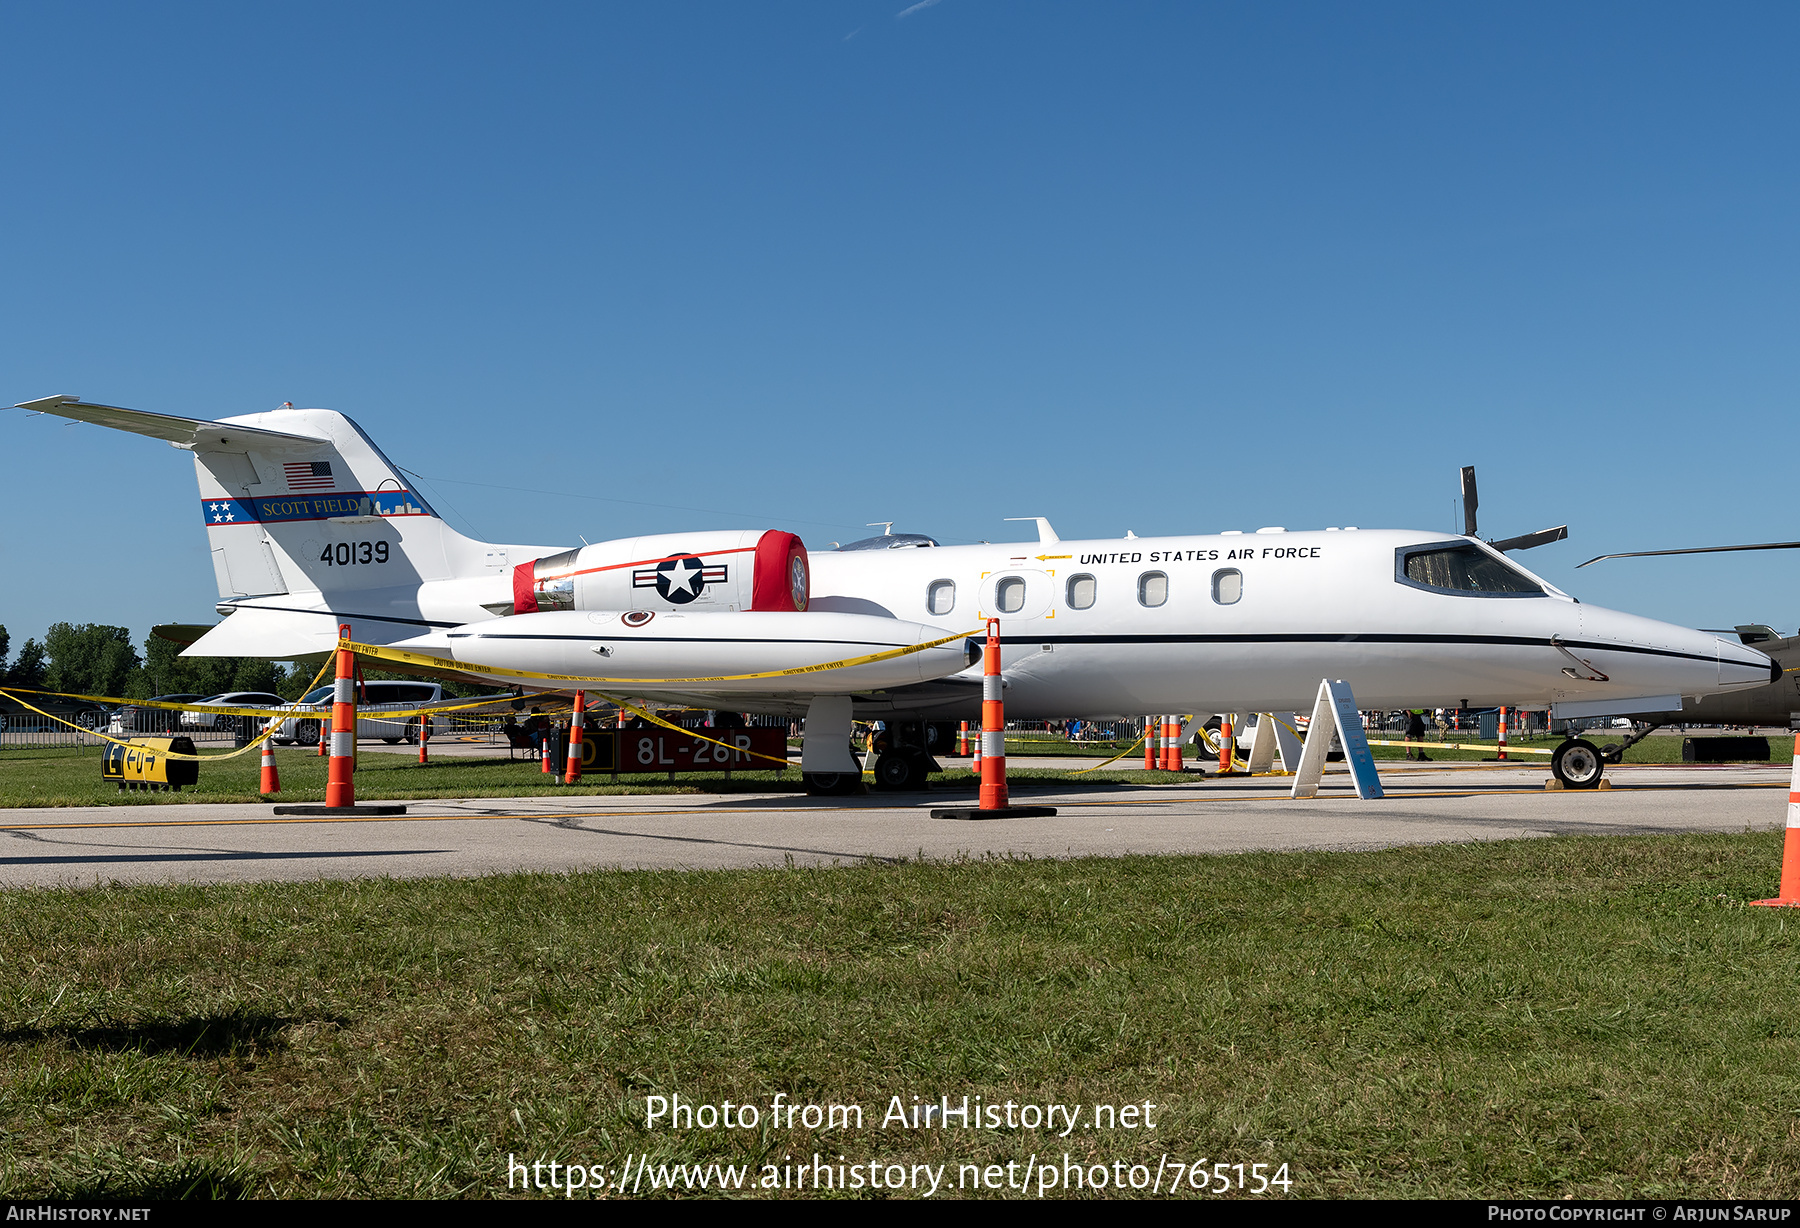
366	711
218	709
255	744
1114	759
1510	749
469	667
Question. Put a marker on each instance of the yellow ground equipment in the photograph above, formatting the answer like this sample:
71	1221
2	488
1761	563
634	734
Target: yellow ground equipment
144	763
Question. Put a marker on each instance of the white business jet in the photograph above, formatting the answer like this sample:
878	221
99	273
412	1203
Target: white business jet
312	527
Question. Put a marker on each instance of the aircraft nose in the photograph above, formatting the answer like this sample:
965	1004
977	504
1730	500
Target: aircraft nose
1660	657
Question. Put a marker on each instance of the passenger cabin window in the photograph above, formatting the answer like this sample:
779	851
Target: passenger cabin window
1228	586
1081	592
1010	595
1467	569
940	597
1153	588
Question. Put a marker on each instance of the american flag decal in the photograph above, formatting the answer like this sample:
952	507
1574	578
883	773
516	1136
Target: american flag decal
308	475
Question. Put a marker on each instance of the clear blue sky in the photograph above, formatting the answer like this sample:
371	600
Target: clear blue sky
1167	267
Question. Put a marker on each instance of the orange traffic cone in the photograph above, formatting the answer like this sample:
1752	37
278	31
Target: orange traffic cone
1790	848
271	779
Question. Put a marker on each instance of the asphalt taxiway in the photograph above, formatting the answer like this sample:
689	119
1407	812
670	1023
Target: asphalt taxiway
89	846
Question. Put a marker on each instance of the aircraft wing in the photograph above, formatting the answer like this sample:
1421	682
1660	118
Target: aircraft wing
193	433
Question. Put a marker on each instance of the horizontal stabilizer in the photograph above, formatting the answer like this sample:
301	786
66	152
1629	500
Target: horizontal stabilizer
1543	537
273	635
194	433
181	633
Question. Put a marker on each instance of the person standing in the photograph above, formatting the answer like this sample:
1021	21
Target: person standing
1415	732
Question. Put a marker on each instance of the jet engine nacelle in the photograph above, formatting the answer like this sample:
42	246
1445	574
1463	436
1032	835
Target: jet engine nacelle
756	569
695	651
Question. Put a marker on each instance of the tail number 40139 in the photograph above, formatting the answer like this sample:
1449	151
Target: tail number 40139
345	554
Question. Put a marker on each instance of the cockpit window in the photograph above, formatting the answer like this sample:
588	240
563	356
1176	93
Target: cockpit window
1463	568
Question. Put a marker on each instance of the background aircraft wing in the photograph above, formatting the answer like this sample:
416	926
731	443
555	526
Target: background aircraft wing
1643	554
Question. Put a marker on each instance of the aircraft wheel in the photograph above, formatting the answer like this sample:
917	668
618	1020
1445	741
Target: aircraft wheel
306	733
833	784
899	772
1211	739
1578	764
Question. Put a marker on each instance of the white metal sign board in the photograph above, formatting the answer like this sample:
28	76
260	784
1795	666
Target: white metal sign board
1335	711
1274	732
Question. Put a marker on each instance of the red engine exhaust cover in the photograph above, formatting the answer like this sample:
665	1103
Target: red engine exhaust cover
783	577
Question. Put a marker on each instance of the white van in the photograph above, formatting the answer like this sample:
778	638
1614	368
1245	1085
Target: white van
315	708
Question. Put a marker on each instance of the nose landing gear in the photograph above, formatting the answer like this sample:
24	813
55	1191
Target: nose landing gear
1578	764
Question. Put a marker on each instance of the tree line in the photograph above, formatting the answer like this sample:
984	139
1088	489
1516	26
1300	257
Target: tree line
93	659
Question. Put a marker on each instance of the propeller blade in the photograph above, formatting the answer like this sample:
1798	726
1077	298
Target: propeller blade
1525	541
1469	501
1644	554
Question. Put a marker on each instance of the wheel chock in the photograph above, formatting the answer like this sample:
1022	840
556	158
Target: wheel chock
338	812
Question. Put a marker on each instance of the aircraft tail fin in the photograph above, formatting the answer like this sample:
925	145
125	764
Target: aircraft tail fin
300	500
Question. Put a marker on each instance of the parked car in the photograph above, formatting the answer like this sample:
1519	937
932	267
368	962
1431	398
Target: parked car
231	699
87	714
314	708
132	719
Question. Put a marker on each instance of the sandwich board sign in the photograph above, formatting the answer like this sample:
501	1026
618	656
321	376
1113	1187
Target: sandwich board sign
1274	733
1335	711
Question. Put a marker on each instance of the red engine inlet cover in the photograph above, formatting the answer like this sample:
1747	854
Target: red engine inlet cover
524	600
783	577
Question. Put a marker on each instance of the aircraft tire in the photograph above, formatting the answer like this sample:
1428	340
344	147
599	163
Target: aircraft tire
899	772
1578	764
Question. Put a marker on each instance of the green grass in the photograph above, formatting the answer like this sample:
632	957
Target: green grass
1657	748
70	776
1596	1018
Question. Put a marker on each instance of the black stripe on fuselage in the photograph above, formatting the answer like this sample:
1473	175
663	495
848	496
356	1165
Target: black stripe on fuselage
1301	637
347	615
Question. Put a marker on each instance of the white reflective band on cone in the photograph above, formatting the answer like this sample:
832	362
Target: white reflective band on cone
343	745
343	690
993	745
1794	789
990	688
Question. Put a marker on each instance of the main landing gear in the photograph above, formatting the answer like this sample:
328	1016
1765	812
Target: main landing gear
903	754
